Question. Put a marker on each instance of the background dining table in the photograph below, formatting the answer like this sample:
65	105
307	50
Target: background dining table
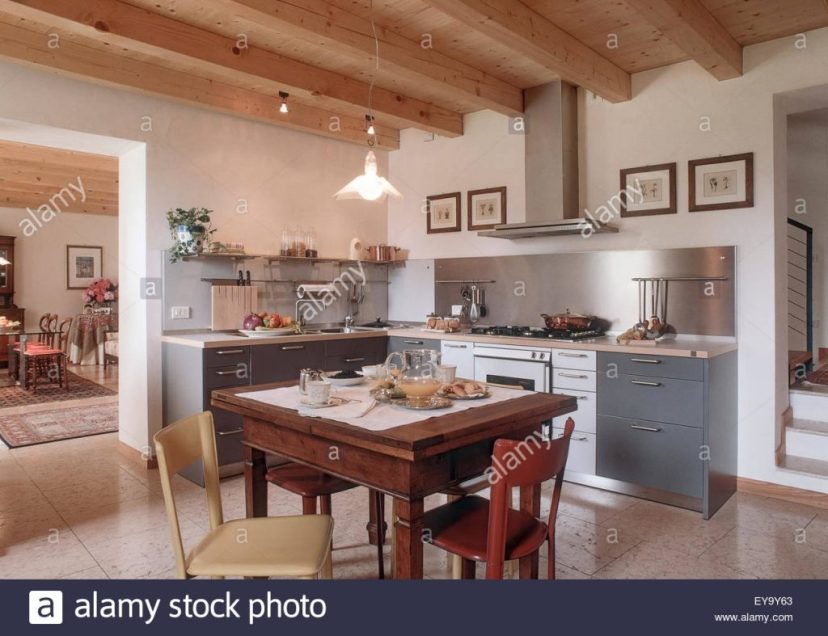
86	337
407	462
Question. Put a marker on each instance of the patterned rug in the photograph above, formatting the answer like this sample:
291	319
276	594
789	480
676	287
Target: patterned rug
819	376
79	389
50	425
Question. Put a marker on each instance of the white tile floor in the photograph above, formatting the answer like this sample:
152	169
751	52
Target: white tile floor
77	509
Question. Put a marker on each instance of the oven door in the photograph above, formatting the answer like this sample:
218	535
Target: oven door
532	376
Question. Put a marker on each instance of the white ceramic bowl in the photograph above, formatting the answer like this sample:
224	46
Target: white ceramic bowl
372	371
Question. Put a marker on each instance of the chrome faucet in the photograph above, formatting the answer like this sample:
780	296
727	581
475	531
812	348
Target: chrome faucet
349	321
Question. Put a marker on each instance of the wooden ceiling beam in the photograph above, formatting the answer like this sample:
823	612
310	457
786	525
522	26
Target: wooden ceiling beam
331	28
31	46
691	27
527	32
180	44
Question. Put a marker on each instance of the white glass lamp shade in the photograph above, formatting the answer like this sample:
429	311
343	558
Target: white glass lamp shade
369	185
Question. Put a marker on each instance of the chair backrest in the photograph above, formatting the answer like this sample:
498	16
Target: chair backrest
43	323
65	327
522	463
177	446
48	328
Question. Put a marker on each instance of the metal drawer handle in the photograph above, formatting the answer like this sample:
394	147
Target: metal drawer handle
235	372
293	348
572	355
229	352
649	429
417	342
574	376
235	431
643	383
579	439
354	359
456	346
645	361
581	397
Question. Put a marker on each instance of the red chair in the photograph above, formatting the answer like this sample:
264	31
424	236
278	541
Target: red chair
477	529
312	484
47	356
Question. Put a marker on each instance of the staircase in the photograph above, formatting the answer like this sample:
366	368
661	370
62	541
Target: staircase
806	437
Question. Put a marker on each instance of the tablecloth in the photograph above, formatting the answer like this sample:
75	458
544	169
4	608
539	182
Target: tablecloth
86	337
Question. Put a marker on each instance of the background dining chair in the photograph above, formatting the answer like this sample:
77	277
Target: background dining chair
477	529
314	485
296	546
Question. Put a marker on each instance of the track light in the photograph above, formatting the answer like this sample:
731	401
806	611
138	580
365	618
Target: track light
284	107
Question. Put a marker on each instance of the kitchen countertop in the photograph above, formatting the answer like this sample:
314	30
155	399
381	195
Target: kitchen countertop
682	347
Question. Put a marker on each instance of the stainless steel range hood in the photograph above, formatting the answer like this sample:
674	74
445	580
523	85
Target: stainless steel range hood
551	155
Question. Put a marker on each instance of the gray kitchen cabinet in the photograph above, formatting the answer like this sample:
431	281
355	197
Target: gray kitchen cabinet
353	353
282	362
400	343
667	427
189	375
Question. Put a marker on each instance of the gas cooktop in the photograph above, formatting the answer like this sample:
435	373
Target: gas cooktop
513	331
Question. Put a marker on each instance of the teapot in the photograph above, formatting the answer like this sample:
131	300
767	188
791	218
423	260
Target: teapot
416	373
309	375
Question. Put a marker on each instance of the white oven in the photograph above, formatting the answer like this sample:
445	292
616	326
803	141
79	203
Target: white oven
505	364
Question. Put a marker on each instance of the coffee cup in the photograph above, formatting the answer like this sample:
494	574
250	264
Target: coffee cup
446	373
319	392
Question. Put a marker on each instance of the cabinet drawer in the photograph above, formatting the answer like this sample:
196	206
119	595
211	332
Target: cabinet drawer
653	365
228	437
585	415
231	375
282	362
399	343
650	398
225	356
573	379
355	347
581	457
663	456
573	359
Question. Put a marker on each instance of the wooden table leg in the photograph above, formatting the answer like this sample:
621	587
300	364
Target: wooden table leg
255	484
530	502
408	561
375	530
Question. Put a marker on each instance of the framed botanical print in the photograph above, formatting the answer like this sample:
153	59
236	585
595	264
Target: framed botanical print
721	183
648	190
486	208
84	265
443	213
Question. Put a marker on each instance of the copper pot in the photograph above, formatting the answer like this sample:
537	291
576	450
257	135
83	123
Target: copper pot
568	321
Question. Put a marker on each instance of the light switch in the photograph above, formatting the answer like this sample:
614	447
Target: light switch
180	313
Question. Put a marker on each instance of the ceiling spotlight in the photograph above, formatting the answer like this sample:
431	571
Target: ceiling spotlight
369	120
284	107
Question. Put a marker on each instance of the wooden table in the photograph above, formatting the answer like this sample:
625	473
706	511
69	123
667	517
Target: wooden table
407	462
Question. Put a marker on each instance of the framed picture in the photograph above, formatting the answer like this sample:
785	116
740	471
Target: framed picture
486	208
721	183
648	190
84	265
443	213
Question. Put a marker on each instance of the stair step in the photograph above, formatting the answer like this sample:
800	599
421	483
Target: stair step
808	443
813	467
809	405
810	426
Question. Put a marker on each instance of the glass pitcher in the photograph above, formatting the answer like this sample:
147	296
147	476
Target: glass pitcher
415	371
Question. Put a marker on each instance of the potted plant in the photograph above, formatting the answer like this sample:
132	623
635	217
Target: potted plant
189	229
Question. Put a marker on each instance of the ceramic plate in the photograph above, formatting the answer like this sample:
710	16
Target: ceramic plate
343	381
424	404
267	333
334	401
478	396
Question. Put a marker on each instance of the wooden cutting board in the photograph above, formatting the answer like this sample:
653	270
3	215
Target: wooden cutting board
231	304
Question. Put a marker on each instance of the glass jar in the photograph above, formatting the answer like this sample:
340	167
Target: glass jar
310	244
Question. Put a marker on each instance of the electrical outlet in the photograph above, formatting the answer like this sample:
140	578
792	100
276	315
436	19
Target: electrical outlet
180	313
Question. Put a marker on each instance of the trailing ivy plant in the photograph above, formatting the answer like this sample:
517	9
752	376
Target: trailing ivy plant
197	222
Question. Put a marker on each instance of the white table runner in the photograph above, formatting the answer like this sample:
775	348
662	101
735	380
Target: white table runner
381	417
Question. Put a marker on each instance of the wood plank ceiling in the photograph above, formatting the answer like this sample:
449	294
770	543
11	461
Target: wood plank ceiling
31	176
439	59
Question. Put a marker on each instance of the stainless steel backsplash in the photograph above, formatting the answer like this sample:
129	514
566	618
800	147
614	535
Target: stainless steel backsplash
600	284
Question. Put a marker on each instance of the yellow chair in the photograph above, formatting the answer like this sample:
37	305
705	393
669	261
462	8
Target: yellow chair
295	547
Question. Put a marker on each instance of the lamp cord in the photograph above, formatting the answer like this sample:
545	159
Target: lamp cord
371	140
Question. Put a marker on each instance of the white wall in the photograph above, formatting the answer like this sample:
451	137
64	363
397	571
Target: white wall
193	157
808	193
40	260
660	124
